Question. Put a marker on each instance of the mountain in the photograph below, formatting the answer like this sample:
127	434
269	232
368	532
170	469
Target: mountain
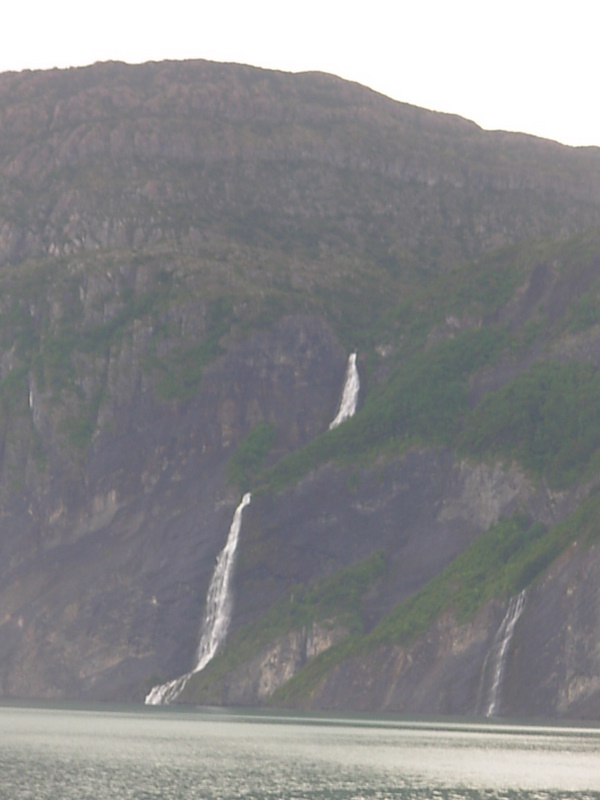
189	253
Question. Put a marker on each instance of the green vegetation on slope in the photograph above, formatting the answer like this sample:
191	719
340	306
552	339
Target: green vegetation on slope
336	600
546	418
250	455
195	205
498	564
179	375
423	403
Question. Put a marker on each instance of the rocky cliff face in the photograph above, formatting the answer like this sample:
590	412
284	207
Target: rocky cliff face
120	157
422	511
120	556
551	663
188	253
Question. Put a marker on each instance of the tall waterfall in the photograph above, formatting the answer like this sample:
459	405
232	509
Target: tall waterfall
349	399
216	617
494	666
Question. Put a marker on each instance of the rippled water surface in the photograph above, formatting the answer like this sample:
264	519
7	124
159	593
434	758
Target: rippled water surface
100	753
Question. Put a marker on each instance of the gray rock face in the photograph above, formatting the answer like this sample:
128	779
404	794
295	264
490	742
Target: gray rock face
107	582
555	666
421	511
188	251
551	670
258	679
243	144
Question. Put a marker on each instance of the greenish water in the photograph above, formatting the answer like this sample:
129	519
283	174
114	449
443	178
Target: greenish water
105	752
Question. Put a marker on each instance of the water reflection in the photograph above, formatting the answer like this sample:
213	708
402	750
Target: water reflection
62	753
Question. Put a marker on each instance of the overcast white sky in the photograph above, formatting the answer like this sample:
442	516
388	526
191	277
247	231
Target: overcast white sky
527	65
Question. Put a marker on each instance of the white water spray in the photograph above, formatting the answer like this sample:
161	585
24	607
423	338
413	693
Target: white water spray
216	617
495	663
349	394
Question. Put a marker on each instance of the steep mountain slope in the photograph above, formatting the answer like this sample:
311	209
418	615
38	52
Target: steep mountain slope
189	252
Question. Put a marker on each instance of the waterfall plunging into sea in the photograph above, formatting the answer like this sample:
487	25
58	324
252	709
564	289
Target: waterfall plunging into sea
350	392
216	616
494	666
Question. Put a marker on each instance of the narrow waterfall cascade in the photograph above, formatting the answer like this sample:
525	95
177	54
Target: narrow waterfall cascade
216	616
218	599
350	392
495	663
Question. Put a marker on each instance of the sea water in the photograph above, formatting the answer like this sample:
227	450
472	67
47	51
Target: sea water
147	752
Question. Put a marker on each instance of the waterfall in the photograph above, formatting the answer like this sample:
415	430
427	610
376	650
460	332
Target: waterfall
349	399
216	616
218	599
494	666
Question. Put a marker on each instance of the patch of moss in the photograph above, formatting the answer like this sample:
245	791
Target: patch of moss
500	563
250	455
423	402
338	598
546	418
